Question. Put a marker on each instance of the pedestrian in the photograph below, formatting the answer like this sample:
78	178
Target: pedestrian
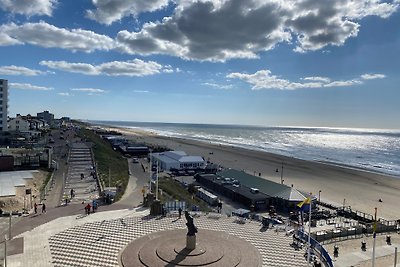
88	208
72	193
180	212
35	207
94	205
43	208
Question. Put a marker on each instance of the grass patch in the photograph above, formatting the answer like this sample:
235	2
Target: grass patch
108	161
177	192
49	174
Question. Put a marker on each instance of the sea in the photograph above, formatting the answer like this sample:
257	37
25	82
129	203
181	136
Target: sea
374	150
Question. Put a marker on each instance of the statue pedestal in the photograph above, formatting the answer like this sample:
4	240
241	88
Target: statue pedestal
190	242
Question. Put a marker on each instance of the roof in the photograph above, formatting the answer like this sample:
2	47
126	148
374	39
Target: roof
239	189
191	159
266	186
177	157
10	179
291	194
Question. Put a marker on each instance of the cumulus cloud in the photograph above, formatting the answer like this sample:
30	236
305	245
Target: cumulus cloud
28	86
373	76
264	79
29	7
18	70
225	29
135	67
108	11
218	86
46	35
207	30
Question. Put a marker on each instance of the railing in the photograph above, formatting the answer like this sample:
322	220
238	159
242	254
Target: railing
317	247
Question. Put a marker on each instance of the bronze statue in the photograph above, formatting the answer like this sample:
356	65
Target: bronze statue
192	230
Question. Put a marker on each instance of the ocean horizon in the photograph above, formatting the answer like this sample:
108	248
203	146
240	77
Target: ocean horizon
375	150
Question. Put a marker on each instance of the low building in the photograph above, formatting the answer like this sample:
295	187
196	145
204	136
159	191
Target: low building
18	124
178	160
252	198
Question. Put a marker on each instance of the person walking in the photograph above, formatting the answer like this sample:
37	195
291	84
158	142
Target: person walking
94	205
35	208
88	208
72	193
43	208
180	212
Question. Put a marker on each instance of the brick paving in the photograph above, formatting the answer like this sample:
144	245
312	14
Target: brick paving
97	239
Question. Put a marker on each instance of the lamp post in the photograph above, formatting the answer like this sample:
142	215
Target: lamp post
277	170
319	195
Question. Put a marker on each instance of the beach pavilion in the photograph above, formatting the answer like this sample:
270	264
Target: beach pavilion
288	199
178	160
284	197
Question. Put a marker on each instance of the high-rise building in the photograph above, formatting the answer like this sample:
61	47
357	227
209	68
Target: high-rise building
3	105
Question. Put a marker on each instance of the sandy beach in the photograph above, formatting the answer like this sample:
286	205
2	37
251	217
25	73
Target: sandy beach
356	188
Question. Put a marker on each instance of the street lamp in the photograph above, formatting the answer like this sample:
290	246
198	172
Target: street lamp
277	170
319	196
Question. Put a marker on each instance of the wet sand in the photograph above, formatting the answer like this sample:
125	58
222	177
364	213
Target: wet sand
338	184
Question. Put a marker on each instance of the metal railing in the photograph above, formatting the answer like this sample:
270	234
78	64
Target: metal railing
317	247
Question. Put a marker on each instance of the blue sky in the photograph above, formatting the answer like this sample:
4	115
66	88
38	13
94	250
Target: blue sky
275	63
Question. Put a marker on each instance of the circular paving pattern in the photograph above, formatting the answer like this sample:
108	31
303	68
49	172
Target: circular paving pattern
167	248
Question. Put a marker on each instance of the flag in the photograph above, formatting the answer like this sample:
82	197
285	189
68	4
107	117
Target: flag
305	205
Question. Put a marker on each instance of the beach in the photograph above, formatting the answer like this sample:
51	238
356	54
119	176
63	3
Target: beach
338	184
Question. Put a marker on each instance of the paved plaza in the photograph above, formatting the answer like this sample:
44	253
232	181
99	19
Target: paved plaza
97	239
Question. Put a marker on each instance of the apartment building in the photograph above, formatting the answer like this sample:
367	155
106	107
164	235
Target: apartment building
3	105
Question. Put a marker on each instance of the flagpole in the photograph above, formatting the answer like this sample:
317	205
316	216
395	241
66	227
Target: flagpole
150	167
157	182
309	233
373	248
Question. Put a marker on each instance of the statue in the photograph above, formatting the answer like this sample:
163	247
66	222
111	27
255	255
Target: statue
192	230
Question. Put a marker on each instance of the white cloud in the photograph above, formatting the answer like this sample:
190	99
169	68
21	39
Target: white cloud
263	79
373	76
29	7
64	94
317	79
218	86
89	90
28	86
135	67
141	91
18	70
49	36
223	29
108	11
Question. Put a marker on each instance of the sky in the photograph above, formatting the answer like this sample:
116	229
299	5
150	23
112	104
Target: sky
256	62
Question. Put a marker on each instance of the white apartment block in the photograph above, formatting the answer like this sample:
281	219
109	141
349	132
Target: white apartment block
3	105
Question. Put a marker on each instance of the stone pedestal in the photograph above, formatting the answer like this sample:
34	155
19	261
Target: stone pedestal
149	199
190	242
